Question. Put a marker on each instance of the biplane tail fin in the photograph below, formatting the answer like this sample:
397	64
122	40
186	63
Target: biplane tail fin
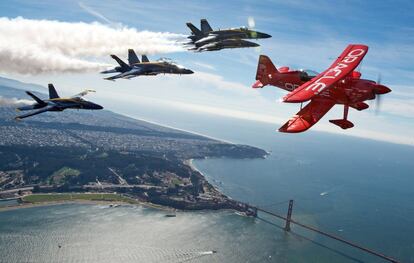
265	70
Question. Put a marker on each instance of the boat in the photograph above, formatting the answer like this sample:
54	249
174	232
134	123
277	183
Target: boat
170	215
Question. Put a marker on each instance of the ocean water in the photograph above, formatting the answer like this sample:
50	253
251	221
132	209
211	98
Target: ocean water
97	233
359	189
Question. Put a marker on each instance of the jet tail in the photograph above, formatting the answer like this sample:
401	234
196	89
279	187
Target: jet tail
132	57
39	101
265	69
145	58
194	29
123	65
52	92
205	26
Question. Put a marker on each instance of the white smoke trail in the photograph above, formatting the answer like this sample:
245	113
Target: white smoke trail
94	13
30	46
13	101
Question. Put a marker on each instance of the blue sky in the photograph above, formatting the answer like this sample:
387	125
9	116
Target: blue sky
306	34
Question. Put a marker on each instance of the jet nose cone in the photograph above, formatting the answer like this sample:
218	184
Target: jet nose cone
94	106
254	45
261	35
188	71
264	35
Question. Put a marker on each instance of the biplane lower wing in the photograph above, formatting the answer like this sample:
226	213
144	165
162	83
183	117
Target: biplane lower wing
343	65
308	116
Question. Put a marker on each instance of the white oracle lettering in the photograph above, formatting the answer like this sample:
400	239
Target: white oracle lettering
326	76
325	93
341	66
351	56
348	59
290	86
336	72
361	51
317	86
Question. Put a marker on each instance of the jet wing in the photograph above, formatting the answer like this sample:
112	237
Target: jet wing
343	65
210	37
134	72
308	116
33	113
129	74
114	77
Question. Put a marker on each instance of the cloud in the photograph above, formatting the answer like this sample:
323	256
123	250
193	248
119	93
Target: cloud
13	101
46	46
200	108
262	117
399	107
220	83
204	65
222	111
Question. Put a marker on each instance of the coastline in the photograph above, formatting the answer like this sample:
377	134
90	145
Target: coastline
190	163
23	205
209	199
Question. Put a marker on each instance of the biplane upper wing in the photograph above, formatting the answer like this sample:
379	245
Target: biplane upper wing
343	65
308	116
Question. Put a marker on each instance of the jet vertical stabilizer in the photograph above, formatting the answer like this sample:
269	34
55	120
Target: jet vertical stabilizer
37	99
195	30
205	26
123	65
145	58
52	92
132	57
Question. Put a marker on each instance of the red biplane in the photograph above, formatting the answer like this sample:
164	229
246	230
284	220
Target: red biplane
339	84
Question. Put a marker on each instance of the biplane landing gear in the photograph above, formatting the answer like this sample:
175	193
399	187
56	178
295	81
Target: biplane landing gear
343	123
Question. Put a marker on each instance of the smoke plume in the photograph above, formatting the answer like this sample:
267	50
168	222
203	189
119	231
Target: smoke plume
30	46
13	102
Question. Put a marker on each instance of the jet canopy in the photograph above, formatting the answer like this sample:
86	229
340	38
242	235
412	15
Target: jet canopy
239	28
170	61
77	99
167	60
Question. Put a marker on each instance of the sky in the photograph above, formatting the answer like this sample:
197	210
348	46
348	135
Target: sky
305	35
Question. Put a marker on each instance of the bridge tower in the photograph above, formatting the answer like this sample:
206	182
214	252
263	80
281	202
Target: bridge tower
289	216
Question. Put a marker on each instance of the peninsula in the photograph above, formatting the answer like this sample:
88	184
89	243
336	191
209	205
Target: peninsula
104	152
